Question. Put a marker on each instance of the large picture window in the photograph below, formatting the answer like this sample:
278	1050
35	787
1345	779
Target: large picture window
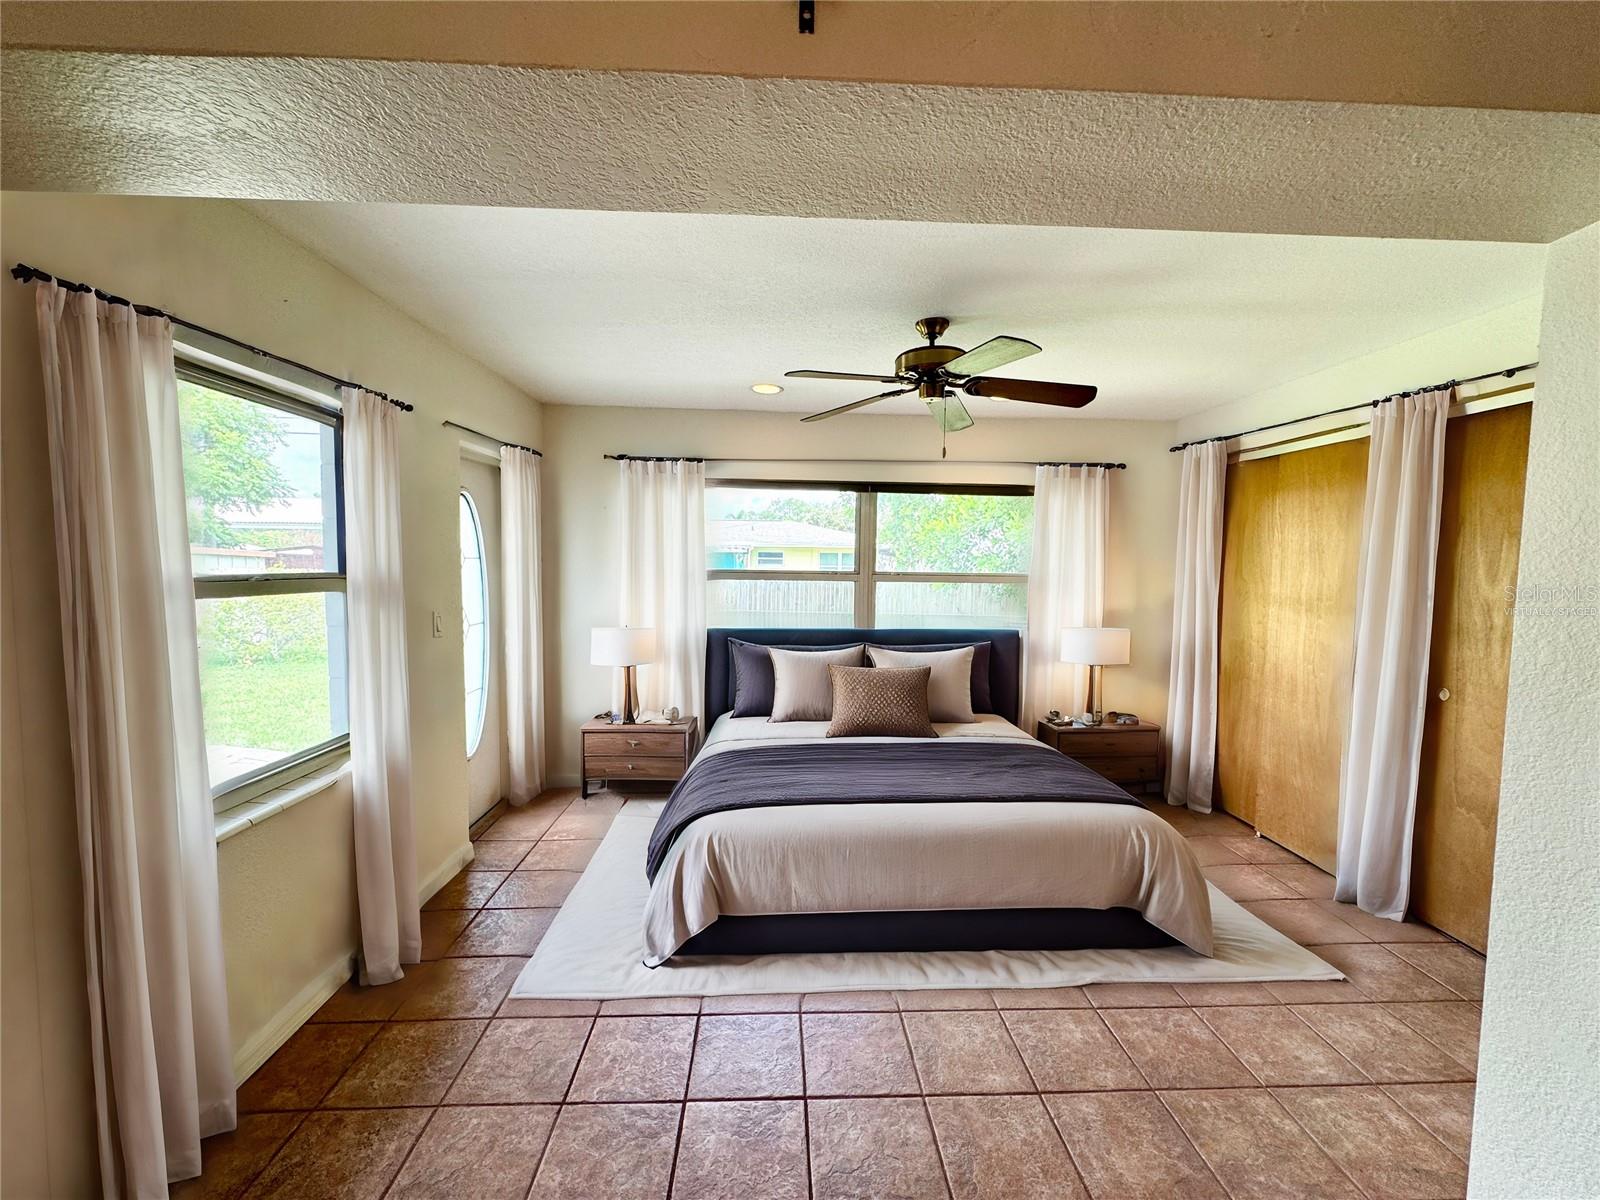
262	478
868	555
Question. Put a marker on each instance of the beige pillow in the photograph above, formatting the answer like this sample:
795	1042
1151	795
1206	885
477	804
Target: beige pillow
801	689
881	702
949	689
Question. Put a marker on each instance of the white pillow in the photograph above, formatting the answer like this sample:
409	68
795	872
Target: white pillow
950	685
802	689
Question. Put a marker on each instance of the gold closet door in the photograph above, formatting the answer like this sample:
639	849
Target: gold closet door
1291	546
1458	794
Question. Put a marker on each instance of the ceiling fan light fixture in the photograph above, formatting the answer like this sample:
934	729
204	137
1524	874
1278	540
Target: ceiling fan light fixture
766	389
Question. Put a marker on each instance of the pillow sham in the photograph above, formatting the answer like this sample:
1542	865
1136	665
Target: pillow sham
880	702
982	697
950	681
751	664
801	688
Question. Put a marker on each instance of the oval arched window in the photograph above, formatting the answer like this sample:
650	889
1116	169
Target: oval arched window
474	621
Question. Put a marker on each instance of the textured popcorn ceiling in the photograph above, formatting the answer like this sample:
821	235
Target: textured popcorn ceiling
466	134
688	310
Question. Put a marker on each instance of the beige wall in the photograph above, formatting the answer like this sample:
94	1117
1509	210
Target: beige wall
286	885
581	515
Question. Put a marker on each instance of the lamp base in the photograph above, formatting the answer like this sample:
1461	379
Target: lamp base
1092	714
630	701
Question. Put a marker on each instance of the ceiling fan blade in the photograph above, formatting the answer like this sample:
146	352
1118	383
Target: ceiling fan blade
844	408
1032	391
996	352
951	414
840	375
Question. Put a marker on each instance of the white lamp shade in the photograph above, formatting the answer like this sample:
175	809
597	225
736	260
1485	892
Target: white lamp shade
1095	647
609	647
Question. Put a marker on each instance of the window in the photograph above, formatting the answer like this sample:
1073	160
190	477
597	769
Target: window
262	477
936	558
474	621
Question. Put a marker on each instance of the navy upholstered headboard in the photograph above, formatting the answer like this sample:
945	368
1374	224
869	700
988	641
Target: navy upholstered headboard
1005	657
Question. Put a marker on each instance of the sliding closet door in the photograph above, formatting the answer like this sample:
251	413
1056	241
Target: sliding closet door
1291	543
1458	797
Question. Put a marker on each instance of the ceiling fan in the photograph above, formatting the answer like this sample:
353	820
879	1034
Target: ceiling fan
937	373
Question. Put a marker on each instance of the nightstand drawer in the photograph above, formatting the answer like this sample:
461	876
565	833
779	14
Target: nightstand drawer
1109	745
619	767
634	745
1121	770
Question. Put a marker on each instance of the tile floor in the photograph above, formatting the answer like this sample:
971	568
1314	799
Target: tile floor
440	1086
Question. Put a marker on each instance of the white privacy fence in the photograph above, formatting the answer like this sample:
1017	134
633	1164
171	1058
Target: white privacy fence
803	603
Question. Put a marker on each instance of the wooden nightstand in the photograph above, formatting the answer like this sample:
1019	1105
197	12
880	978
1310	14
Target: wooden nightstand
659	753
1125	754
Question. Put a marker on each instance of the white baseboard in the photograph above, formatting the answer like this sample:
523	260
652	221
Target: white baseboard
446	872
291	1016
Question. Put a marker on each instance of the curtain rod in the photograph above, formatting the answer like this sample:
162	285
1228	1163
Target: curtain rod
1508	373
889	462
23	273
491	437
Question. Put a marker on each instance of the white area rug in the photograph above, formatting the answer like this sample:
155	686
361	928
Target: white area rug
593	949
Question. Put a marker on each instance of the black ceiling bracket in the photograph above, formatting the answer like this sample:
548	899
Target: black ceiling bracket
808	16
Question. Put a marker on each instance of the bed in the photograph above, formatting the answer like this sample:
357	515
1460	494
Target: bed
782	840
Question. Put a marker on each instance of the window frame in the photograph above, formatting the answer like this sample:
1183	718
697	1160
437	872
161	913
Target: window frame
864	575
475	740
241	789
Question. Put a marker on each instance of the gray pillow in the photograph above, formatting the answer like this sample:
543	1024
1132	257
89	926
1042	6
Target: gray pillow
752	675
880	702
950	684
801	687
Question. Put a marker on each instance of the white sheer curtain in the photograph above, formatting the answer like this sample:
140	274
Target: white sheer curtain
158	1035
380	733
523	621
662	566
1066	583
1191	728
1394	623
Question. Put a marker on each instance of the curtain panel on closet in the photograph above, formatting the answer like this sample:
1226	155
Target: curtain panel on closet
1394	621
1191	728
662	565
523	621
158	1034
1066	583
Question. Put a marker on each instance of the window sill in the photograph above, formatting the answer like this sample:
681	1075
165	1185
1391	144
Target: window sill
268	804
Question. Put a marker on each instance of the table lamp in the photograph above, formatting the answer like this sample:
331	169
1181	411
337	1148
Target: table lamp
1095	648
625	648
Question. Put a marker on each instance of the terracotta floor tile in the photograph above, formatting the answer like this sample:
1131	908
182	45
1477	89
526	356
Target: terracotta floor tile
1133	995
1280	1049
1450	1025
1317	991
498	855
440	927
1380	974
1380	929
526	824
946	1000
1213	852
1174	1048
615	1151
1215	823
497	932
1383	1046
1306	921
1259	850
784	1002
548	1008
747	1057
964	1053
1378	1145
533	889
469	889
857	1054
1310	881
305	1067
1214	994
1070	1050
229	1161
484	1153
1444	1109
1058	997
848	1002
1455	966
651	1006
561	854
1127	1147
352	1002
408	1062
742	1149
457	987
635	1058
341	1155
1002	1148
1245	881
873	1150
1256	1148
585	820
522	1062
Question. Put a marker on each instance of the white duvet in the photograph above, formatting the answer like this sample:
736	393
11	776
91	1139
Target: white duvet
898	857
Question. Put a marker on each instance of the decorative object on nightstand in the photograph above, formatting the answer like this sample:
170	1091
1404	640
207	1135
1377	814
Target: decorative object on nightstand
1095	648
626	648
657	753
1125	754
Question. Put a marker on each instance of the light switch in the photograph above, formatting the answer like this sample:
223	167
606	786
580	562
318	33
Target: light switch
438	625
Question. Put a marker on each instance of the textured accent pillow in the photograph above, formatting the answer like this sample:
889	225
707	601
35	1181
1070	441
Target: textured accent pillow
751	663
881	702
982	699
801	689
949	687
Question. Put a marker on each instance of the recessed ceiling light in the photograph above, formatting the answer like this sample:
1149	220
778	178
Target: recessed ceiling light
766	389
